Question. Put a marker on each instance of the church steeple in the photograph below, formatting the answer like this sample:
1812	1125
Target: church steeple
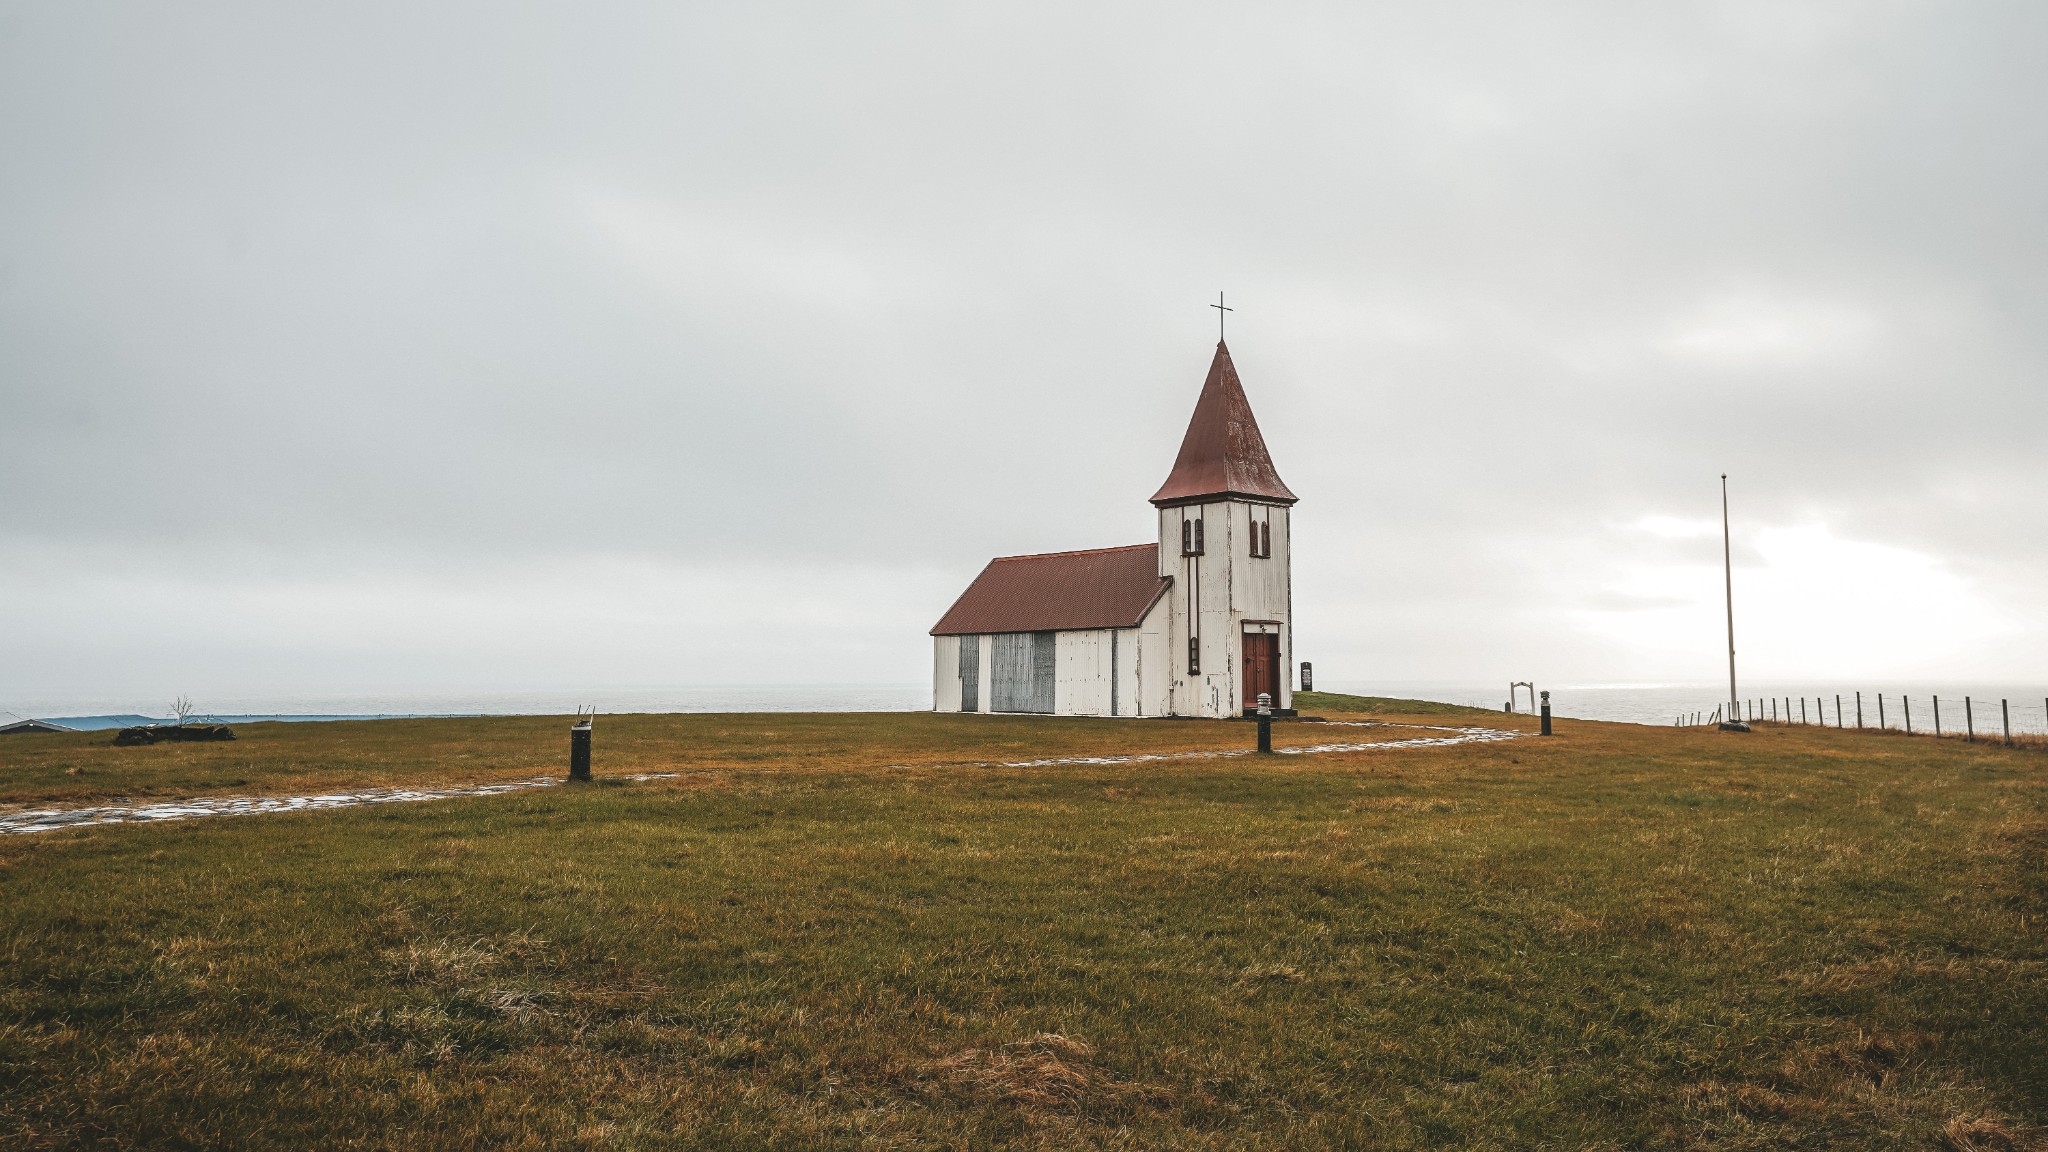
1223	455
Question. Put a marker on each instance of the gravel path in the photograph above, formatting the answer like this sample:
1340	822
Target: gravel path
1456	736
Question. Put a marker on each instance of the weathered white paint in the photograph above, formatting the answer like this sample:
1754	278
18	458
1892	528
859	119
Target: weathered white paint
1082	684
946	673
1154	667
1223	592
1219	590
946	686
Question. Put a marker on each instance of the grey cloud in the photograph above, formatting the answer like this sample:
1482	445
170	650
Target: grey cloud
402	289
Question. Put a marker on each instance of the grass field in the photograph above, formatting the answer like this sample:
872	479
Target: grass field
838	931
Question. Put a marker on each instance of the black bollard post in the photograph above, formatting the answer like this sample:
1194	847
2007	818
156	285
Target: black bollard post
1265	722
579	749
1546	713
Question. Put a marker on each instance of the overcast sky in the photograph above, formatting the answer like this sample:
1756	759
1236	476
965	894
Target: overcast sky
441	347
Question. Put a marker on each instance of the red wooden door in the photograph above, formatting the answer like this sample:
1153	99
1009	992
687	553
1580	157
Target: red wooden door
1261	668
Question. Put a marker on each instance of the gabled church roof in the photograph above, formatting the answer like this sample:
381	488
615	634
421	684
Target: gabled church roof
1223	453
1059	591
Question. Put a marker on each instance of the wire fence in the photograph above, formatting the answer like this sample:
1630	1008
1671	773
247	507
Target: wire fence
1973	718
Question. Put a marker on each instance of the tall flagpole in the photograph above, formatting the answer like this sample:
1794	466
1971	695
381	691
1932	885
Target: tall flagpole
1728	574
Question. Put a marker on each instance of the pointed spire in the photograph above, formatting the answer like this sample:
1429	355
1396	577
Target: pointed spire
1223	454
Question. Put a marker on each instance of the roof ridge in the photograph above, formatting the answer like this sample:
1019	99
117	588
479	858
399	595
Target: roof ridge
1075	552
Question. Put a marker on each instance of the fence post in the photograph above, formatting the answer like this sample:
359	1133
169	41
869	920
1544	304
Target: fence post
1802	709
1880	710
1937	715
1838	711
1908	702
2005	711
1969	722
1859	711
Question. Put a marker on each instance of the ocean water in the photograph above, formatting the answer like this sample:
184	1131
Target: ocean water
1665	703
252	707
1658	704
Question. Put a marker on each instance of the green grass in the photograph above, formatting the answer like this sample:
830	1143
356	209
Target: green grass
834	936
1308	703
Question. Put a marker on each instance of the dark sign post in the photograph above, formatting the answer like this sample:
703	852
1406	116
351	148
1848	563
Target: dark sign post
1546	713
1308	676
1265	722
579	746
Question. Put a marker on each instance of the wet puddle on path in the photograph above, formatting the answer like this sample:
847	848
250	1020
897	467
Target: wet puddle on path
158	811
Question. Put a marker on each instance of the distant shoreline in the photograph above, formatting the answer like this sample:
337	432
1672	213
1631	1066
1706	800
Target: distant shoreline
1653	704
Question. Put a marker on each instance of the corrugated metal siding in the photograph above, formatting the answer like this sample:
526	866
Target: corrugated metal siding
970	673
1025	666
1045	668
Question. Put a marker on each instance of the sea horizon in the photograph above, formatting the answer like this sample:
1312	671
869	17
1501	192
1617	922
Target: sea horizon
1656	702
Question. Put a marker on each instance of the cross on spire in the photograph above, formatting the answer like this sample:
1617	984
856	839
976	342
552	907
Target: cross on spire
1218	305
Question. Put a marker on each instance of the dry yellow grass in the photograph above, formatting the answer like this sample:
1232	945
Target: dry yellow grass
827	937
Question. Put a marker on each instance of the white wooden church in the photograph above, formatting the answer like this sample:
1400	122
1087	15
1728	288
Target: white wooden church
1196	624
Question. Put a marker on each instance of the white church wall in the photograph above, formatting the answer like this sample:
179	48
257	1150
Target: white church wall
1082	686
1227	586
1283	555
1152	661
1220	564
1258	586
1202	581
946	673
1260	589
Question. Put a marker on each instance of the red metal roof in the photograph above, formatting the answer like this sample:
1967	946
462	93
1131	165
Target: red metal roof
1223	453
1058	591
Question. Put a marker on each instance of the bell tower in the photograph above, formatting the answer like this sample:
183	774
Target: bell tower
1224	541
